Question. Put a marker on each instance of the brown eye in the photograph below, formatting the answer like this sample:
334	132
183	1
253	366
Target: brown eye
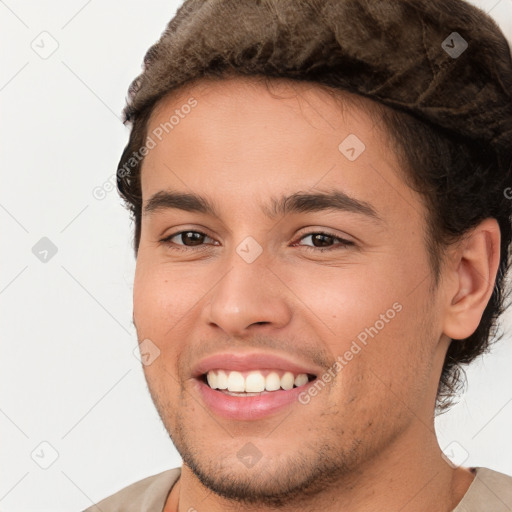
186	239
324	241
192	238
321	240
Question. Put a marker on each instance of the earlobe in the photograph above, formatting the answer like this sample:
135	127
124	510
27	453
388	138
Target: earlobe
474	269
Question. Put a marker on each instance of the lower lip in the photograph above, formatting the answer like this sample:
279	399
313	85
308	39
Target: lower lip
250	407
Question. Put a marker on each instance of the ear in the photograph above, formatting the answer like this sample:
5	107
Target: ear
473	270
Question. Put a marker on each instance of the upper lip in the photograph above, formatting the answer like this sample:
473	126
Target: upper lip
251	361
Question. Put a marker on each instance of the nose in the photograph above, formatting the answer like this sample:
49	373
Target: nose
249	295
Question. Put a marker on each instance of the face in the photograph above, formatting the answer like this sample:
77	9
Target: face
283	262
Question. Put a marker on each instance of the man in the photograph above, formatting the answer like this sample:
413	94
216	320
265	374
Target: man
321	233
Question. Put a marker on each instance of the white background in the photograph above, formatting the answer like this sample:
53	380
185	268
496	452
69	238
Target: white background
68	374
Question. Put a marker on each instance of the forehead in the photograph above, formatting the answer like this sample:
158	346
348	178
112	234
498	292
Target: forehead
281	100
248	139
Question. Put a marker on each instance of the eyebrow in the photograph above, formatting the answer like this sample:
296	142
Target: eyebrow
299	202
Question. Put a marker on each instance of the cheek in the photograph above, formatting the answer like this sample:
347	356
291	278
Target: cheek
166	305
151	300
373	323
156	310
393	364
344	301
163	297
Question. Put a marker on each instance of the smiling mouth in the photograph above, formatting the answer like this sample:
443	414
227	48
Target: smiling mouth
255	382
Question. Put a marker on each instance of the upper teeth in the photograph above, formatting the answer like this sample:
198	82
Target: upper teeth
255	381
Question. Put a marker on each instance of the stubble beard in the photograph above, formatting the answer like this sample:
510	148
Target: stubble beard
289	481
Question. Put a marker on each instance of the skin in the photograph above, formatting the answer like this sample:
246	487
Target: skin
366	441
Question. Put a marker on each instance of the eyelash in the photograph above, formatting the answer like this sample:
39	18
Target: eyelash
177	247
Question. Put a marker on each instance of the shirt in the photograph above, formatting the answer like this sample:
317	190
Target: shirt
490	491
